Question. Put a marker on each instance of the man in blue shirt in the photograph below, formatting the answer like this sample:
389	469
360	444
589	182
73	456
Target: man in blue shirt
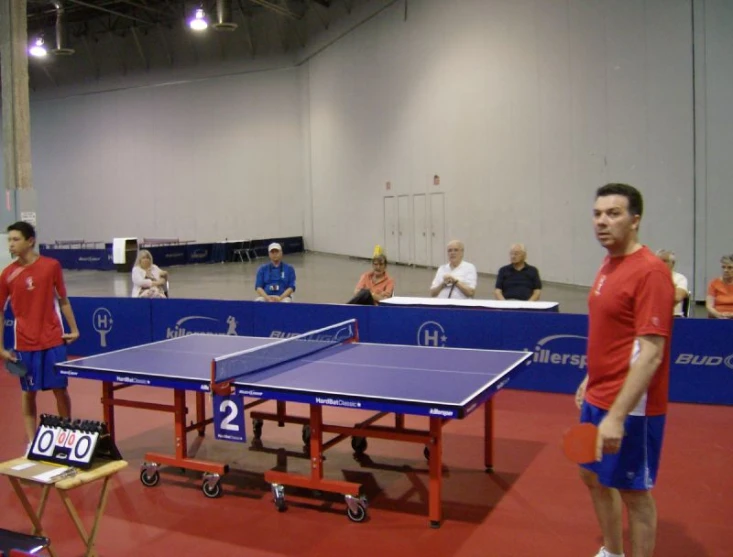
275	280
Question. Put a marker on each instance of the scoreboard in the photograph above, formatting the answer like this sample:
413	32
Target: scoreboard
77	443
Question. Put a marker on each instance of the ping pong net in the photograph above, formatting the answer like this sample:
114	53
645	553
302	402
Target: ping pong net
227	368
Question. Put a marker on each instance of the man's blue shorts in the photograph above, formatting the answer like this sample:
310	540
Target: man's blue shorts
635	466
41	374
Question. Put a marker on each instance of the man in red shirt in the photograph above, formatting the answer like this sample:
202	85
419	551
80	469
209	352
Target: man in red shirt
626	390
35	286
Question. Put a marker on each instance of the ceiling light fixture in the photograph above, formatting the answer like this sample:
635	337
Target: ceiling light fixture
61	48
38	49
199	21
224	21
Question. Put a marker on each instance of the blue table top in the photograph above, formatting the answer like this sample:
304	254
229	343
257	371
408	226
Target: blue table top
188	357
405	375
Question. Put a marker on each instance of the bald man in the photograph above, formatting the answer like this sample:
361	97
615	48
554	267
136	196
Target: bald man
457	278
518	281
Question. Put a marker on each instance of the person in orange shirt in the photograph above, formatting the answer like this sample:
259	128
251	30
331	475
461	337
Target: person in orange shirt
719	301
374	285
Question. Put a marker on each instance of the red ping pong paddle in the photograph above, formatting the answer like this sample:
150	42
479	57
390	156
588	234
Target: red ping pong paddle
579	443
16	368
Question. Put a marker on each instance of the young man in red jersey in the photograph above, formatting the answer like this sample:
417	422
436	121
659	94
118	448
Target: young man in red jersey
35	286
626	390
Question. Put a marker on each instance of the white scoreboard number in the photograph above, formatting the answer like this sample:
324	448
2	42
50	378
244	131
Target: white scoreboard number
229	418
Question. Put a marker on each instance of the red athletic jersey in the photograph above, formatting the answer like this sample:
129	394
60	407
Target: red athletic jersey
34	291
632	296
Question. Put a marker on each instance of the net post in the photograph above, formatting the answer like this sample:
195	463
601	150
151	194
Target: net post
222	389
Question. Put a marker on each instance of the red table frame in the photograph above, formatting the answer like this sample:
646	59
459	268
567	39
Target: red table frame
432	437
179	410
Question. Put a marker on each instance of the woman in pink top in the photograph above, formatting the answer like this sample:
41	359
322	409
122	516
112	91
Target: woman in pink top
719	301
374	285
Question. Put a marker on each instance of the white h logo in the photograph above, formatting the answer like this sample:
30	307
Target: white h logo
431	333
102	322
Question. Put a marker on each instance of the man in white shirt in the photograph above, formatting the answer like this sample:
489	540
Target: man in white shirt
679	280
457	278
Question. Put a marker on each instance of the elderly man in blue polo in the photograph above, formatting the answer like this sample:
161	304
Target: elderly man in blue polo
275	280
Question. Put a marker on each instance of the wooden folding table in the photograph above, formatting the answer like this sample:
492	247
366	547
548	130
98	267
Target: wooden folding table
21	470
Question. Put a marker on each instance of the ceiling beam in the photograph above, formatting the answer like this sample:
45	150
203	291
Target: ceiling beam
277	8
325	22
50	9
139	47
165	45
112	12
298	34
144	6
249	35
281	33
92	60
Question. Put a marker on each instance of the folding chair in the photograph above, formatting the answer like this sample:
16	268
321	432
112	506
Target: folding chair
250	251
246	251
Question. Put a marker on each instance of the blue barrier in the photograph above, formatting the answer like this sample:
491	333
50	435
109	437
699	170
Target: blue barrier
175	318
292	244
436	327
558	341
702	354
181	254
199	253
166	255
107	324
91	259
284	320
702	361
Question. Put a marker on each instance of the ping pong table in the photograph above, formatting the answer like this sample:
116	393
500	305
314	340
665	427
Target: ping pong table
327	367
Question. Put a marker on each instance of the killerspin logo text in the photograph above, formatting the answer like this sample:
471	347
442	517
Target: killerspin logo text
562	350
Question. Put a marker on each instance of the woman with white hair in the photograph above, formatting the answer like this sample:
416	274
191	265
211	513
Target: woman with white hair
148	280
719	301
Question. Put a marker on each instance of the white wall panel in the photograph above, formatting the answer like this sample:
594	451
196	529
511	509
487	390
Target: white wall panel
523	108
714	119
202	160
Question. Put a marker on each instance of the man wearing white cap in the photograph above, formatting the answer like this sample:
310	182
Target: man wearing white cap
275	280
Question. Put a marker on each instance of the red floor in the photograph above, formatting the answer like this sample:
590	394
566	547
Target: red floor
533	505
